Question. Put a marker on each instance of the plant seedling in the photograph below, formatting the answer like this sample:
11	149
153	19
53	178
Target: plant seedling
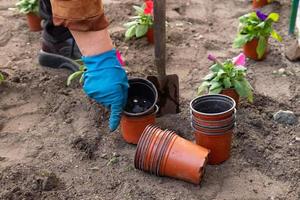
229	74
257	25
28	6
141	22
78	74
1	77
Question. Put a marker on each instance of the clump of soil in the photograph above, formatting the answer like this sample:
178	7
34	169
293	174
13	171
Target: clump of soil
87	146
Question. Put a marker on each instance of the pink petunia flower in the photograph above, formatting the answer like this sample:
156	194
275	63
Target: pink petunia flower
240	59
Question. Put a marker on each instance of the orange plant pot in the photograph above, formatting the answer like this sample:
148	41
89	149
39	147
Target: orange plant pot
34	22
219	145
233	94
150	35
133	127
259	4
250	50
218	123
212	107
185	160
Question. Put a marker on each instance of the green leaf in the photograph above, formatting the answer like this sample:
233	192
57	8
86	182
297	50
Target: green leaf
216	67
138	9
227	82
261	47
208	77
73	76
274	17
216	90
240	40
276	36
141	30
1	77
130	24
130	32
239	87
220	73
215	85
203	87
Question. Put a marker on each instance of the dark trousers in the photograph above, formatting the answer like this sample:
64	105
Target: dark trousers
51	33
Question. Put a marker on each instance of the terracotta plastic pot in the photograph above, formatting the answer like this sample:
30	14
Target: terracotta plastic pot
219	123
259	3
150	36
142	97
250	50
34	22
164	153
233	94
214	128
212	107
185	160
219	144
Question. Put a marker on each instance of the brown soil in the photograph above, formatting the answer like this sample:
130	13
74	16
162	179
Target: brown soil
54	143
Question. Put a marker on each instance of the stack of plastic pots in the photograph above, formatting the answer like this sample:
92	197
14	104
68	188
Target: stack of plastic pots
213	121
140	110
164	153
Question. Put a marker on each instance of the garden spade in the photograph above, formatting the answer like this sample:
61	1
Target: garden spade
167	85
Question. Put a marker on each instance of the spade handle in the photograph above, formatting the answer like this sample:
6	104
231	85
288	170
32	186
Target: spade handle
160	36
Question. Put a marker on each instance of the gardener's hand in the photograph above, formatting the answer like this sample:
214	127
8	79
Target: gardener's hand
106	82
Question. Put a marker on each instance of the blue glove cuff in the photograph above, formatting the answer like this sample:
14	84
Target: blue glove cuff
101	61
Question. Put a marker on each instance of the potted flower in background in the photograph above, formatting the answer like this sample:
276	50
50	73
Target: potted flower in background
254	31
31	9
142	24
228	78
260	3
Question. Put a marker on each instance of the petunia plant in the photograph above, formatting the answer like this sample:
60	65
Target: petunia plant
229	74
257	25
141	22
28	6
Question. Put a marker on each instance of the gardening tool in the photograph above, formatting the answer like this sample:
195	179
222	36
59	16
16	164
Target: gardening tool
293	17
167	85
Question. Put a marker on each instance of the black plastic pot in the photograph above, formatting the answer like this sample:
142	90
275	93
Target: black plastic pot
142	97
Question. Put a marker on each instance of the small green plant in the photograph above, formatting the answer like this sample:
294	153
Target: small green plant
78	74
257	25
28	6
142	22
1	77
229	74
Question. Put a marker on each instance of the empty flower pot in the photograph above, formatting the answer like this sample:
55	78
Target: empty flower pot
142	97
218	123
231	92
185	160
150	36
34	22
164	153
212	107
259	3
250	50
133	127
218	143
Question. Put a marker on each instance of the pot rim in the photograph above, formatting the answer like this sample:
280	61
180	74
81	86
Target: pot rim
214	133
213	114
155	100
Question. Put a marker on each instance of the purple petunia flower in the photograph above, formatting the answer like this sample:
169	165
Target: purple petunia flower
211	57
261	15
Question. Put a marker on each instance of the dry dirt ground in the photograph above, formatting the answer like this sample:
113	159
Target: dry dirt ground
54	142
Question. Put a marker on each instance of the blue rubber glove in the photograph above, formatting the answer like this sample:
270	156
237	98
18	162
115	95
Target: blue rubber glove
106	82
